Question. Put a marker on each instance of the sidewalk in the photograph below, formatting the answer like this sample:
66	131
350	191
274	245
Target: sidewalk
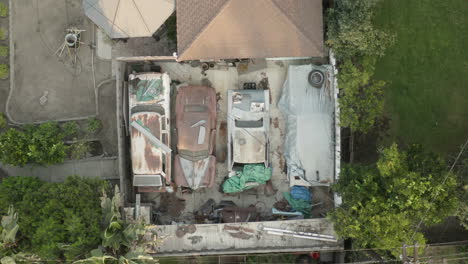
104	168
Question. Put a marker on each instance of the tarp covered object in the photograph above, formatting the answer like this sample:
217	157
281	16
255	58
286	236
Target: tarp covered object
256	173
300	192
309	113
299	205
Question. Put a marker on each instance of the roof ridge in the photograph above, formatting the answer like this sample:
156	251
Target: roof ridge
204	27
294	23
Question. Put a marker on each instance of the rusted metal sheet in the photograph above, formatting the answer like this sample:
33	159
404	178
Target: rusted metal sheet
146	158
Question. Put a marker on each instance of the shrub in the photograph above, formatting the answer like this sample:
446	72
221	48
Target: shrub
46	144
93	125
3	34
351	31
80	150
3	121
4	71
3	10
4	51
383	203
42	145
70	128
14	147
57	220
361	97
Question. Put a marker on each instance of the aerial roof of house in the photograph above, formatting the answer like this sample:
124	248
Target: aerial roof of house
223	29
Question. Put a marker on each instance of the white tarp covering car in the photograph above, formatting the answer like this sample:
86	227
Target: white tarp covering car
309	115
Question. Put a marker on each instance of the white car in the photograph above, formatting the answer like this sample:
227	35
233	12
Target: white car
248	128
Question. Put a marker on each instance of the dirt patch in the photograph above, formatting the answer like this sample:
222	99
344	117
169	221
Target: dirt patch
171	205
322	201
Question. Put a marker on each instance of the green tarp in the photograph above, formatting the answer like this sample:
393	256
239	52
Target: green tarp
251	176
299	205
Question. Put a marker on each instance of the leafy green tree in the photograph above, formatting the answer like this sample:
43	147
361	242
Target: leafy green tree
4	69
384	203
46	145
351	32
3	121
80	149
4	50
14	147
69	129
361	98
58	220
120	239
3	10
8	241
93	125
42	145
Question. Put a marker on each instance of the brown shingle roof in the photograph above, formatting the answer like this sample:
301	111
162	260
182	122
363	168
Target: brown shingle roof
221	29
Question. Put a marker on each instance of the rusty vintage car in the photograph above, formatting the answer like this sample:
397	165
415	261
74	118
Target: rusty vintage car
248	128
149	119
195	165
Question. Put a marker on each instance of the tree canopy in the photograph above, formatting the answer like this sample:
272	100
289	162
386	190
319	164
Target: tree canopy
384	203
56	220
361	99
42	144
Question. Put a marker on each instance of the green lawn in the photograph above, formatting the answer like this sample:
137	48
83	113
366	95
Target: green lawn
427	71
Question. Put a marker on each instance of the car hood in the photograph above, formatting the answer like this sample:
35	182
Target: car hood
249	145
146	158
195	118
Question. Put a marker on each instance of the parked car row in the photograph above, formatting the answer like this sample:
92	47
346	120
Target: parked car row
195	125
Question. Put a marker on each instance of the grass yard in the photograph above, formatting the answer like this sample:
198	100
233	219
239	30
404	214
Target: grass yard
426	70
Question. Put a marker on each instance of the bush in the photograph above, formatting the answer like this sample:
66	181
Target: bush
42	145
3	10
3	34
384	203
4	71
361	97
94	125
351	31
70	128
57	220
46	144
80	150
3	121
14	147
4	51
